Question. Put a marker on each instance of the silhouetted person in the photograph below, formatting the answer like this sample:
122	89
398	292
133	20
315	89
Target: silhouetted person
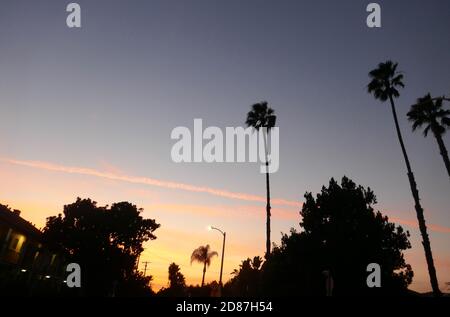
329	283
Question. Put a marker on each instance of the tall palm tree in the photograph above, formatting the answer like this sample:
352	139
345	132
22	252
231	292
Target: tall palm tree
385	80
203	254
262	116
428	112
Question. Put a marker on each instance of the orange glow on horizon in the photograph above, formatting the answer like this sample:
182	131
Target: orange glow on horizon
39	194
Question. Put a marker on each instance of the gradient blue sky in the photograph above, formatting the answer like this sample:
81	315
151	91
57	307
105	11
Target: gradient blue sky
107	96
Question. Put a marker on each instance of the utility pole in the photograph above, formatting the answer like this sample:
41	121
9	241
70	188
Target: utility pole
145	266
139	257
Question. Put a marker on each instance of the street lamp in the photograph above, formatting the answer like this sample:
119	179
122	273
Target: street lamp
223	252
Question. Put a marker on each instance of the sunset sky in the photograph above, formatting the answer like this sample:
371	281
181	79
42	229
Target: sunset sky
88	113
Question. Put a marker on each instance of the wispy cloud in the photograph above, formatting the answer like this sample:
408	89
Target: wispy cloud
120	176
414	224
148	181
253	211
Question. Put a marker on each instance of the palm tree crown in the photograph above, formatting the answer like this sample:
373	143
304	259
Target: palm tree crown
203	254
385	80
428	112
261	116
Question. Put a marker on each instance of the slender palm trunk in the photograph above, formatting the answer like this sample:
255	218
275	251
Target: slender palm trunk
204	272
419	209
443	151
268	197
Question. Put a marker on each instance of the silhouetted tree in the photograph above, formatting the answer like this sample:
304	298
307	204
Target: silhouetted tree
262	116
176	279
177	284
428	112
385	80
294	268
135	285
210	289
204	255
342	234
104	241
246	280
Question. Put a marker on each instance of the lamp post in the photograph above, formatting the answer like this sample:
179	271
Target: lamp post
223	253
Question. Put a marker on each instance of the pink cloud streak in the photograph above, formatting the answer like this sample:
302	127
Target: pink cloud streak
278	213
147	181
414	224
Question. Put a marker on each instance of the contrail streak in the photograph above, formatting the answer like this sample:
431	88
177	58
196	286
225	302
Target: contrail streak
148	181
181	186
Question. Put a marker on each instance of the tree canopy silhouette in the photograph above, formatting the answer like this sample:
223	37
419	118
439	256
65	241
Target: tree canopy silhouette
342	234
176	278
105	241
177	283
246	280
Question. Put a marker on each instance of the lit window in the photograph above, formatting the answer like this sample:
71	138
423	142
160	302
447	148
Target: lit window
14	244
